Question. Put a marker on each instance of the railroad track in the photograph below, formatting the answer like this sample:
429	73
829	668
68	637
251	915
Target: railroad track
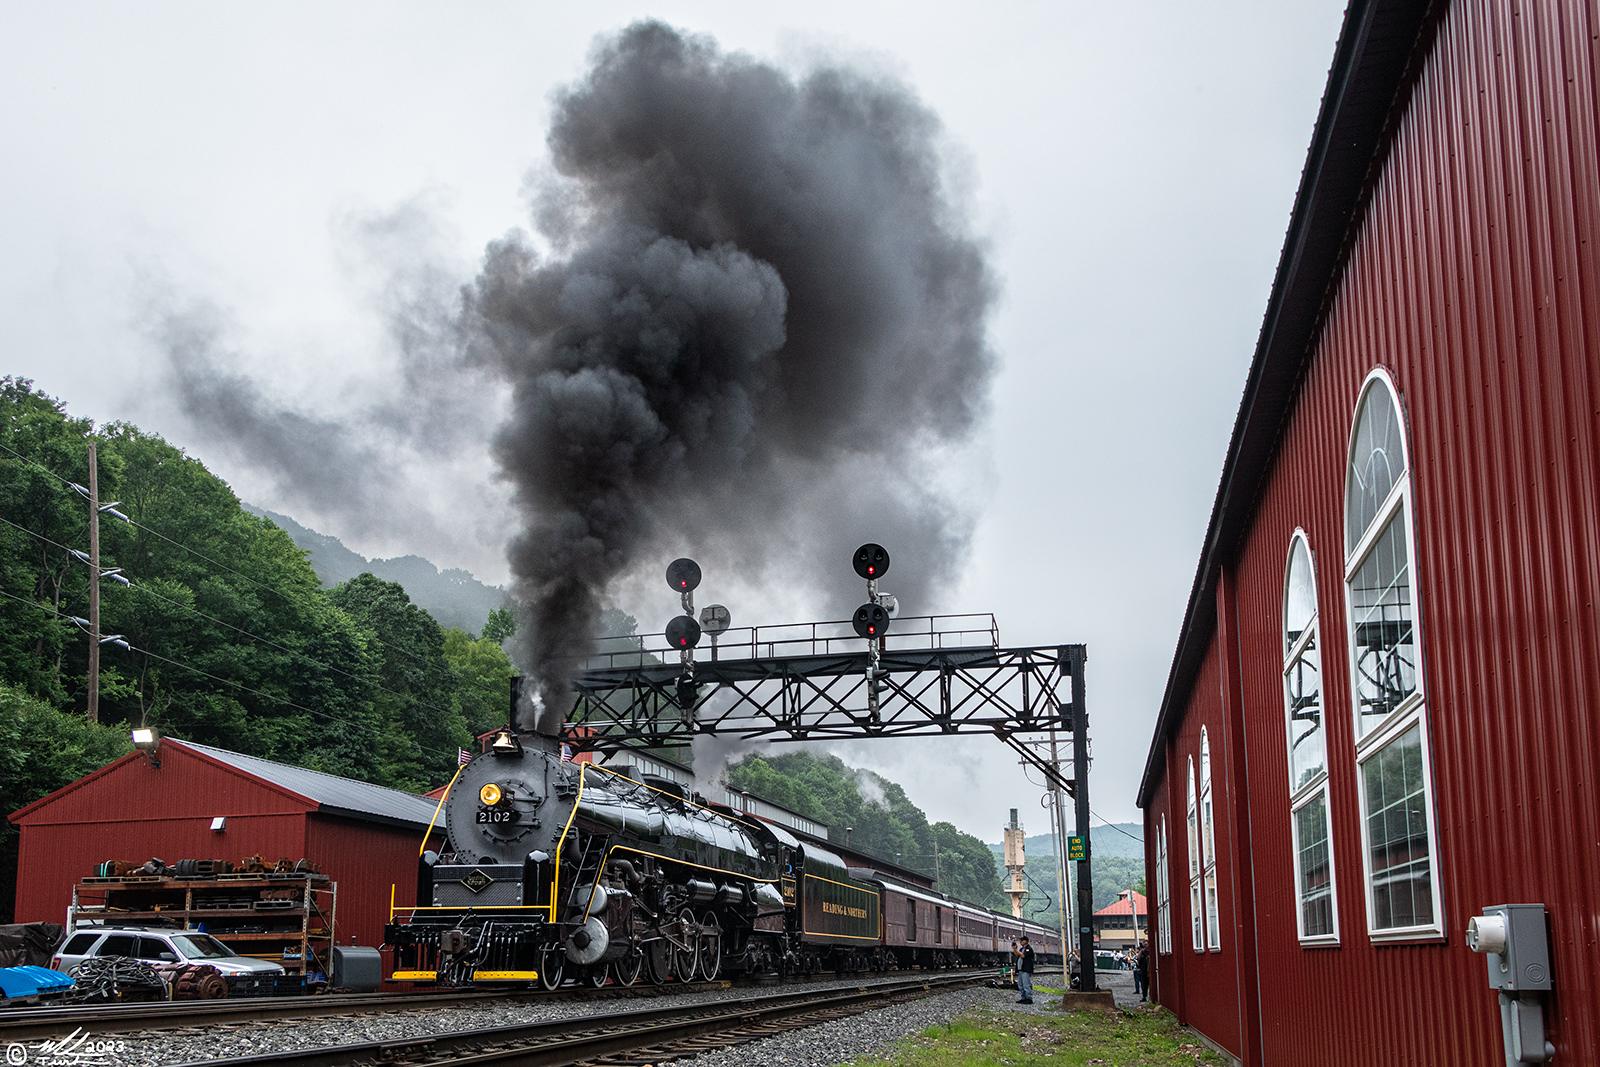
31	1024
648	1036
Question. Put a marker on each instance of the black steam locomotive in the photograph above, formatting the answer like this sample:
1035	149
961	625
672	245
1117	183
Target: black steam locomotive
564	870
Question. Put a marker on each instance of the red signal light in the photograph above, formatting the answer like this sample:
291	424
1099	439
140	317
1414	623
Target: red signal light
870	620
871	561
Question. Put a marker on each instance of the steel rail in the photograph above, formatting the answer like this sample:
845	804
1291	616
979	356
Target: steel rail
30	1023
573	1040
21	1024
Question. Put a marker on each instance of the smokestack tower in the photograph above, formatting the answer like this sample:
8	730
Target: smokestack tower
1016	860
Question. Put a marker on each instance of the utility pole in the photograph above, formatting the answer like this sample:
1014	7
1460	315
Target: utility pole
94	585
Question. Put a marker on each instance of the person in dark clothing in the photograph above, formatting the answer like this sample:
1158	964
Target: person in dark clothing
1025	972
1141	972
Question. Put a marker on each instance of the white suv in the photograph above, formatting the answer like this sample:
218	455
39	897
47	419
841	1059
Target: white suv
245	976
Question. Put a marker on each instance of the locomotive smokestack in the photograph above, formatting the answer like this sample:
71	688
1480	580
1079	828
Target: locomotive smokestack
762	321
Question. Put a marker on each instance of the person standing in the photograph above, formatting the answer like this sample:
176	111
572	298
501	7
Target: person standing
1141	972
1025	972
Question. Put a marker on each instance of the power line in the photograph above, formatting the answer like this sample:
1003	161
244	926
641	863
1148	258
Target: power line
254	637
230	570
225	681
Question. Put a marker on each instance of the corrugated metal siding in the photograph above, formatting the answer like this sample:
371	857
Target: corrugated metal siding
365	859
1475	281
132	811
1210	1001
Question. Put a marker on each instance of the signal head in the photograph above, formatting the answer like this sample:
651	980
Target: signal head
714	618
871	621
871	561
683	575
683	632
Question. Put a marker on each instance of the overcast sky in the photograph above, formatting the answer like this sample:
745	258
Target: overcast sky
1131	167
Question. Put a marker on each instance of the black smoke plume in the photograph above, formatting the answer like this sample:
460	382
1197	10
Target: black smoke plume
761	319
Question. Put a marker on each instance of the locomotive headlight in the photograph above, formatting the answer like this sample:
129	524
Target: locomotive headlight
490	794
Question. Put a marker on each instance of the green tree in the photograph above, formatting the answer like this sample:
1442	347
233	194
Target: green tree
42	749
500	626
483	679
421	727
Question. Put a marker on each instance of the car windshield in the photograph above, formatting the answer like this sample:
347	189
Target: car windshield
201	947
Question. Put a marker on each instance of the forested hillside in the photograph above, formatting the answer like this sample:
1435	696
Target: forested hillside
225	634
883	821
453	596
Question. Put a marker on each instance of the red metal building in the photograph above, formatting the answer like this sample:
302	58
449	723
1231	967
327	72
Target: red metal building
365	837
1381	716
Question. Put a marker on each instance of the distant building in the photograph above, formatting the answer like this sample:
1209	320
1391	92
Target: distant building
1115	924
1380	717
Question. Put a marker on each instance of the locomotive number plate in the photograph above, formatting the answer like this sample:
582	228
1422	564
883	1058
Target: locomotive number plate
494	815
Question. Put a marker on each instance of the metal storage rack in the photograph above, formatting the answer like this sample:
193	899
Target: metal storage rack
286	918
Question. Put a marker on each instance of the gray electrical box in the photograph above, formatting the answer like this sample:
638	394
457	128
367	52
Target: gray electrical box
356	968
1515	945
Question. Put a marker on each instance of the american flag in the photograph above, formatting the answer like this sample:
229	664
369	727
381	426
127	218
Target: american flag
566	753
463	757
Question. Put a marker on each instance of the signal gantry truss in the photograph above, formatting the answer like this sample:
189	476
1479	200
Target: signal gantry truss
815	690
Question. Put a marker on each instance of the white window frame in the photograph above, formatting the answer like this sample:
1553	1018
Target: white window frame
1163	893
1412	711
1318	787
1196	904
1209	855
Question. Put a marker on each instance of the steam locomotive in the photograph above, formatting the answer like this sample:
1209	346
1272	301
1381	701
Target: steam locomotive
562	870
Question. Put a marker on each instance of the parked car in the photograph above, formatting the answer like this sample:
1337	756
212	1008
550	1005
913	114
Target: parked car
157	947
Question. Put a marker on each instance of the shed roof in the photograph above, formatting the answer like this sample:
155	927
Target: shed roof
1371	64
332	795
1121	906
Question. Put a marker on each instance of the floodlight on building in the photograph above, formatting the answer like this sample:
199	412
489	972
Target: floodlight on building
148	741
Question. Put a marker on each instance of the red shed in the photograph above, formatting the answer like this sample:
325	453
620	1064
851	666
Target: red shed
365	837
1380	719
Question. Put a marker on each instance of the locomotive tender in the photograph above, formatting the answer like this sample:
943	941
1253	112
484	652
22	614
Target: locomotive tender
563	869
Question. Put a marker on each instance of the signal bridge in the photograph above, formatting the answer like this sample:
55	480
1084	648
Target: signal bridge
875	675
934	675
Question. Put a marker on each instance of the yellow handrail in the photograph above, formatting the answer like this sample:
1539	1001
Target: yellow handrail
555	882
442	798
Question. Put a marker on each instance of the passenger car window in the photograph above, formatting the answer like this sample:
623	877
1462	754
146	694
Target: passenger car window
153	948
117	945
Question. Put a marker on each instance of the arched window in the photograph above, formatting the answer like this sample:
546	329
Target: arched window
1398	839
1163	892
1213	928
1195	913
1308	764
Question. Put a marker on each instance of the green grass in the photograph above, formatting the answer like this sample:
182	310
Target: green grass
1147	1037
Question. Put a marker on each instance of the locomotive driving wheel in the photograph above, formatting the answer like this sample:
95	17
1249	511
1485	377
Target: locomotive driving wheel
710	947
627	970
595	976
658	960
686	961
552	966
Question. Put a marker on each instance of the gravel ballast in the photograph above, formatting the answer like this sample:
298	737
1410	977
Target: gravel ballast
162	1048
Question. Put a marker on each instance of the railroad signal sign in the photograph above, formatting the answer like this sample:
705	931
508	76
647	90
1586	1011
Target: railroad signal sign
683	632
871	620
683	575
871	561
1076	849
